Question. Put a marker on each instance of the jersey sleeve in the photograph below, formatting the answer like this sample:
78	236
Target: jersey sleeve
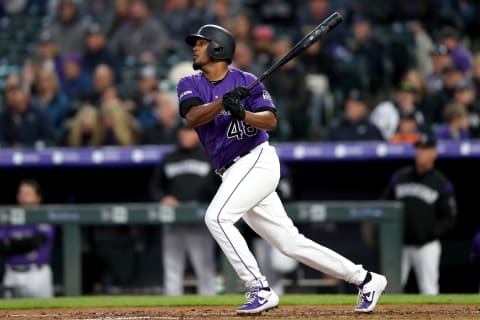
188	95
447	210
260	98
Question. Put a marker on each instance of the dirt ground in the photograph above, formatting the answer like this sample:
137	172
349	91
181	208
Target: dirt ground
427	311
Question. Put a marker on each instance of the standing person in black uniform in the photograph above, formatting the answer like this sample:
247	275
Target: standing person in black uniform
186	176
430	211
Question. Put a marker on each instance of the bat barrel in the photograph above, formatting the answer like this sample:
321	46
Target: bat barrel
328	24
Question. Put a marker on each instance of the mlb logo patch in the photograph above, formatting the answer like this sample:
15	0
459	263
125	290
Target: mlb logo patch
266	95
183	94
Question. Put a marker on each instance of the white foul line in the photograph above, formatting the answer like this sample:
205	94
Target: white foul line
100	318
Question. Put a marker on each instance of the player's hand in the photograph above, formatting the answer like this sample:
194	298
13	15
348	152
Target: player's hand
231	101
239	92
232	104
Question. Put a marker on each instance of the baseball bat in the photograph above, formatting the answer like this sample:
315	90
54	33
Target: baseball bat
323	28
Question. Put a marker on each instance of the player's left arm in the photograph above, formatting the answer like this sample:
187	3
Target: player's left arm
12	246
253	107
266	120
447	211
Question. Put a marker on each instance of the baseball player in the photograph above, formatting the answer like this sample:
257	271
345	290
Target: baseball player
232	124
27	250
430	212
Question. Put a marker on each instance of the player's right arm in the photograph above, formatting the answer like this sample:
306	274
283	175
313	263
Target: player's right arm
198	115
192	107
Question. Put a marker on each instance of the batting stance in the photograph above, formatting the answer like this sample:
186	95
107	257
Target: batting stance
232	122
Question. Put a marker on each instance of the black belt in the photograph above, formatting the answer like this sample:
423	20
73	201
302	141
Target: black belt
25	267
221	171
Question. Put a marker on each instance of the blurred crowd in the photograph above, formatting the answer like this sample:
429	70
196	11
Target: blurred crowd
103	72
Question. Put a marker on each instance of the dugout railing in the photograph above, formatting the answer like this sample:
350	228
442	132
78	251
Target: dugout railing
386	214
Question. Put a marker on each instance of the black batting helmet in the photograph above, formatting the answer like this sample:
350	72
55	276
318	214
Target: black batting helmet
222	44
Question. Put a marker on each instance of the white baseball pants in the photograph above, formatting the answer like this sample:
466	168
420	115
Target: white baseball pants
248	191
425	261
194	242
36	282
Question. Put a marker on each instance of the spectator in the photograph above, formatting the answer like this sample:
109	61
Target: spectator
46	55
263	44
292	97
435	105
121	15
455	126
440	61
386	115
313	14
466	95
84	129
144	96
476	74
318	60
416	78
141	36
164	129
68	30
354	125
96	51
278	13
367	50
27	250
118	125
181	19
49	98
408	130
222	13
186	176
77	83
461	56
244	58
430	211
423	47
242	24
103	78
22	124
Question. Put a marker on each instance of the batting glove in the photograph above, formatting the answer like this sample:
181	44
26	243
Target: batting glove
233	105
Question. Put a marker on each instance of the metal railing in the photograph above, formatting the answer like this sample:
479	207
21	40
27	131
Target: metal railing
388	215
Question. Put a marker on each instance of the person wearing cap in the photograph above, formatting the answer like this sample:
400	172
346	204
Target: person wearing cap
461	56
96	51
436	103
46	55
69	27
430	211
440	62
386	115
186	176
354	125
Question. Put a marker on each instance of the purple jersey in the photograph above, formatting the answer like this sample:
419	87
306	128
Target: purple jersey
225	138
38	256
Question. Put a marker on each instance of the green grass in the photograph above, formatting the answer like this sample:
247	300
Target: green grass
193	300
